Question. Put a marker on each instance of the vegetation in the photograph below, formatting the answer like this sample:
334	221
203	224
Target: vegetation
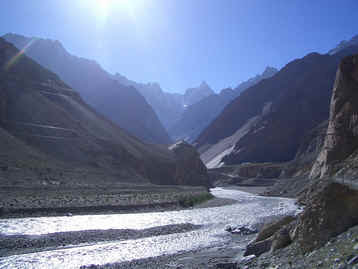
189	201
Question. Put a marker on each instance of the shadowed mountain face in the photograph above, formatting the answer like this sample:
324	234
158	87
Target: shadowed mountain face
167	106
199	115
267	122
123	105
194	95
48	133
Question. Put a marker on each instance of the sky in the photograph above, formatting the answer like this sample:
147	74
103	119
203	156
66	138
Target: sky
180	43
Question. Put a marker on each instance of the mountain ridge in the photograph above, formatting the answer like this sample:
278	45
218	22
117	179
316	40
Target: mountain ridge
122	104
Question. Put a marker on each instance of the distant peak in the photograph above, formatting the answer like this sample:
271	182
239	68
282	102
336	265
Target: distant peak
204	84
269	70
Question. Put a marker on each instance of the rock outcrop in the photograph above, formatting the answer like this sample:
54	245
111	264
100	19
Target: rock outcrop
189	170
329	212
342	133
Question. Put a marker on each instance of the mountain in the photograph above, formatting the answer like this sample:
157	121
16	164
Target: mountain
49	135
122	104
194	95
268	121
344	44
198	116
268	72
167	106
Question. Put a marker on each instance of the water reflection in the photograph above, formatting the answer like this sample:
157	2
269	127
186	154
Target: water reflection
249	210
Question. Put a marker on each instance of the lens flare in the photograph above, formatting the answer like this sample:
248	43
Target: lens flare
18	55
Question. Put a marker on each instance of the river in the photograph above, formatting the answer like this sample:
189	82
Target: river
249	210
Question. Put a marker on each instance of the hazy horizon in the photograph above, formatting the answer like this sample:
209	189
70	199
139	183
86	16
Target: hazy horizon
179	44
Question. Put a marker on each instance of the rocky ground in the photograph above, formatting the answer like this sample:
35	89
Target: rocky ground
340	252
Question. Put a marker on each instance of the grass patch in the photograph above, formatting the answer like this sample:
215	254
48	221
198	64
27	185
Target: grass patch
190	201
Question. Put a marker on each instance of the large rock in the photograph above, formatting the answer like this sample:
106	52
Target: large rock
274	235
330	211
190	170
342	133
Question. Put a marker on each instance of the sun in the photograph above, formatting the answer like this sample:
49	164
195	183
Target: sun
104	12
104	7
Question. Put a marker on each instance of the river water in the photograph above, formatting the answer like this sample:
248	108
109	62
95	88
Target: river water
250	210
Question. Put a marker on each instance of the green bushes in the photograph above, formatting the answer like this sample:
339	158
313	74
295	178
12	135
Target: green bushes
189	201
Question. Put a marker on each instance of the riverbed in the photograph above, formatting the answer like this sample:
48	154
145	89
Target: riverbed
208	232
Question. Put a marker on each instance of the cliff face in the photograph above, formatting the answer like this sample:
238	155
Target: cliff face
342	133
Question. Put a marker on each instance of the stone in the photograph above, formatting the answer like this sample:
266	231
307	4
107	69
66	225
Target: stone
331	211
270	228
281	239
247	259
353	261
190	170
243	230
355	247
258	248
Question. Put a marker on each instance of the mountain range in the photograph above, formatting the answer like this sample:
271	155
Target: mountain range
49	135
198	116
268	121
122	104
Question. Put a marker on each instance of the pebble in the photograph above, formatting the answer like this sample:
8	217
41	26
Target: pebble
355	247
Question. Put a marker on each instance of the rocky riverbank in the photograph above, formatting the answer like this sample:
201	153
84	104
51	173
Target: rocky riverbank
22	202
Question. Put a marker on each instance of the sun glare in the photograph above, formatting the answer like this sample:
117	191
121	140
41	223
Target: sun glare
104	8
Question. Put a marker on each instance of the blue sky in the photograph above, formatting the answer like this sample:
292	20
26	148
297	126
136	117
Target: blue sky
180	43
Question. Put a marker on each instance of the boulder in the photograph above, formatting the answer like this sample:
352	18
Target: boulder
270	229
281	239
329	212
258	248
274	235
190	170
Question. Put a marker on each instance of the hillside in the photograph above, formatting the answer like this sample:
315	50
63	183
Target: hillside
123	105
49	135
268	121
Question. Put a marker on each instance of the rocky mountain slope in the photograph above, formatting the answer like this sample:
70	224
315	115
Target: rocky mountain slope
324	234
344	44
50	136
199	115
194	95
167	106
122	104
267	73
268	121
